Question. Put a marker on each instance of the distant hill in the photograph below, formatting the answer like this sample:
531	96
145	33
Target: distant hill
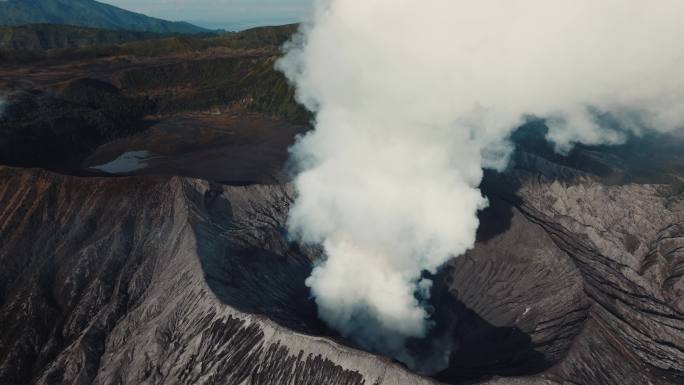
40	42
86	13
37	37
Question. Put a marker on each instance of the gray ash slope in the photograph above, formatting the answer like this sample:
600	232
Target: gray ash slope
577	278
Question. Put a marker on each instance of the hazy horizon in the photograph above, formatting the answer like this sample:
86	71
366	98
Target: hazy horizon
221	14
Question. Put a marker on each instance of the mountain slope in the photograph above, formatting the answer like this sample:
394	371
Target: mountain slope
36	37
86	13
121	298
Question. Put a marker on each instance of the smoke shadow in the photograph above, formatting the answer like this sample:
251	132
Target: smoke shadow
276	290
477	349
264	277
496	218
480	350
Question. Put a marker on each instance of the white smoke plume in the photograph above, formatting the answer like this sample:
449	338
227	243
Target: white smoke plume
413	98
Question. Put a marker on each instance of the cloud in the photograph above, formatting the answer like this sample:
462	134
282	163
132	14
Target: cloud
413	99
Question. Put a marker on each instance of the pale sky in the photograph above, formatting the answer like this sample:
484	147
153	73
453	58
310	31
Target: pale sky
228	14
